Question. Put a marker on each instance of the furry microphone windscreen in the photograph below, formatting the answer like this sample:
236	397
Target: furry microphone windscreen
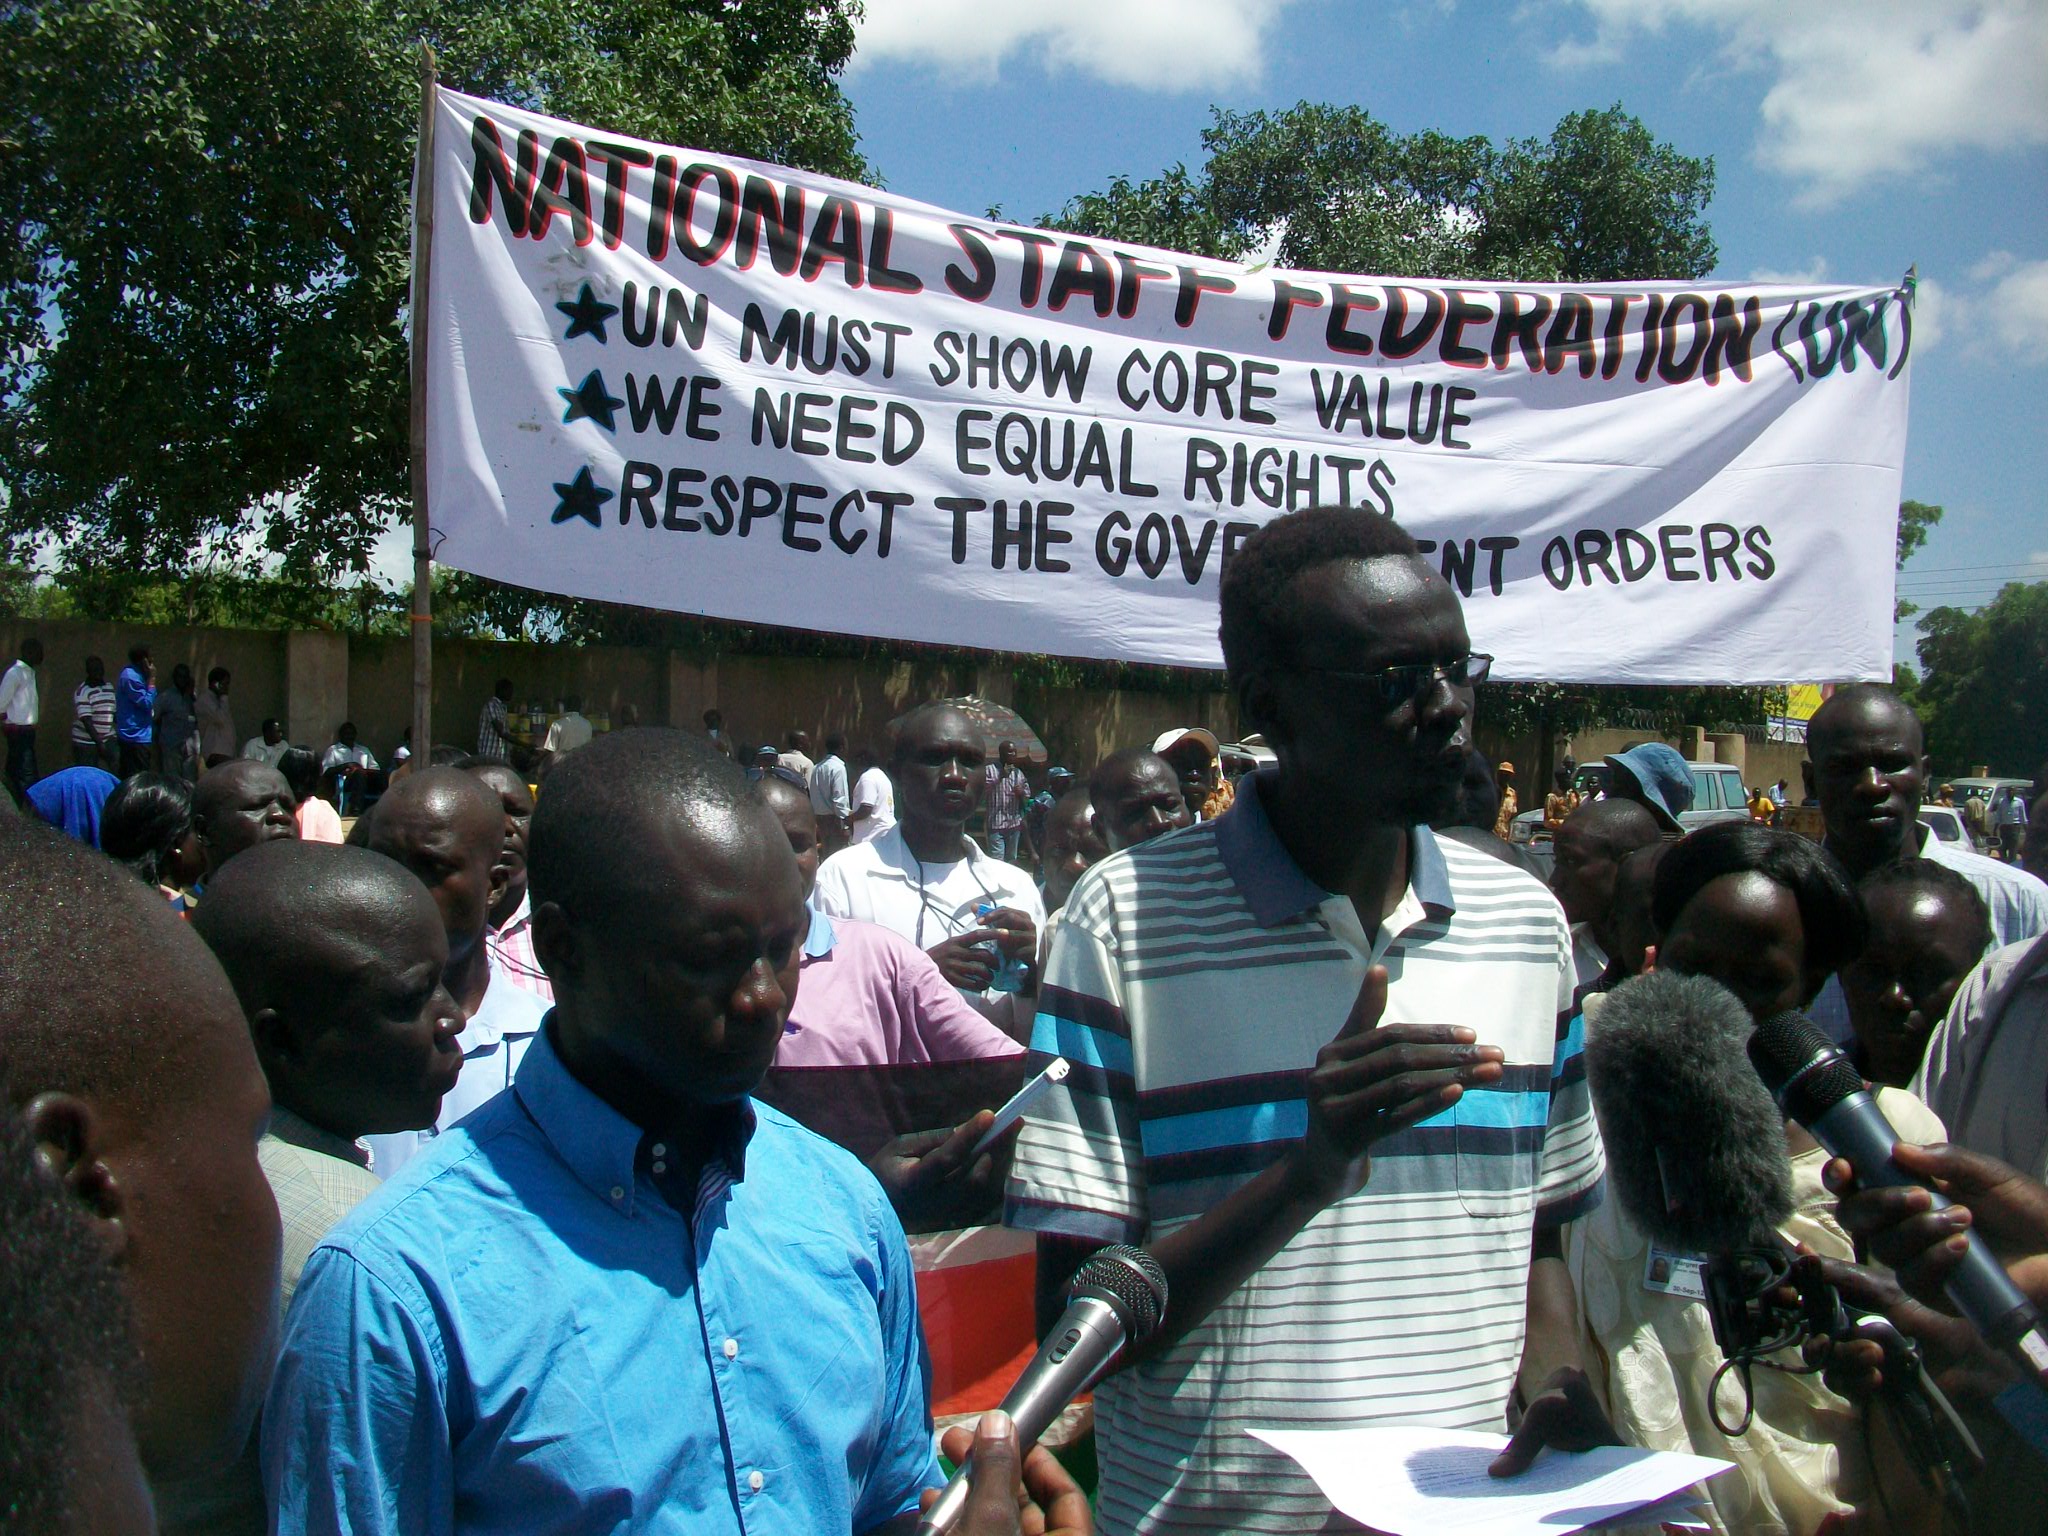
1695	1147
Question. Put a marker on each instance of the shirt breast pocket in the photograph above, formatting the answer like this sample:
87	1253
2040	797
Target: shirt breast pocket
1497	1134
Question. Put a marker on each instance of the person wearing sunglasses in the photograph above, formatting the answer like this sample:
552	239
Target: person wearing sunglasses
1320	1068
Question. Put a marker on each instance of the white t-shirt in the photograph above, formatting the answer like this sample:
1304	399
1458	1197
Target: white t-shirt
257	750
19	701
873	788
882	881
567	734
493	1042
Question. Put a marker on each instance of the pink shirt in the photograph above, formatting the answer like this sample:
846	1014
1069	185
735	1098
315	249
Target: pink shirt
868	997
512	953
319	822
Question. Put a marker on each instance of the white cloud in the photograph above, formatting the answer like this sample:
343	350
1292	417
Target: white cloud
1813	272
1936	311
2002	311
1888	88
1154	45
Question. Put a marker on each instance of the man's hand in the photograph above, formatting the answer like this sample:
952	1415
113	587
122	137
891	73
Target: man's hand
933	1183
1564	1415
1031	1497
1921	1245
1373	1080
1958	1359
962	962
1015	934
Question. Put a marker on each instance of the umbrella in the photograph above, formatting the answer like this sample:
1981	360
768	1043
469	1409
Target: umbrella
995	724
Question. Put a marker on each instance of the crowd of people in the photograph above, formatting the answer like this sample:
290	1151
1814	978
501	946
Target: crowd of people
592	1158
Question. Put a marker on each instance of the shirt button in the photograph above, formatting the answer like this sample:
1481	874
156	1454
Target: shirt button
618	1193
755	1480
732	1349
659	1150
660	1166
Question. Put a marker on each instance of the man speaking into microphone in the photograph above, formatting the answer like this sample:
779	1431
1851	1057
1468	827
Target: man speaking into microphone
1318	1066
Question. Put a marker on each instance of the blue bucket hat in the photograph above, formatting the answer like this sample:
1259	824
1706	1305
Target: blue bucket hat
1662	777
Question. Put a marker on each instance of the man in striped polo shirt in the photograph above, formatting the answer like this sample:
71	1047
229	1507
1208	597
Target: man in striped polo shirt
1252	1005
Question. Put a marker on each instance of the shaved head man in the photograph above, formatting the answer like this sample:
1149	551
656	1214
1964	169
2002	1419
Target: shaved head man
447	827
238	805
1590	846
1073	845
356	1035
130	1062
1137	795
1869	774
627	1180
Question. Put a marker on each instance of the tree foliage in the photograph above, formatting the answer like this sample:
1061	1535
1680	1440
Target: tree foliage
204	238
1916	521
1600	200
1983	693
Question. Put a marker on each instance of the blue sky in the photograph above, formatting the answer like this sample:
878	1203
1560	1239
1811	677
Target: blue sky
1850	143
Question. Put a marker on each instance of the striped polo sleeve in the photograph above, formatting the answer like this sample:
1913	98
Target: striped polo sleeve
1573	1164
1079	1166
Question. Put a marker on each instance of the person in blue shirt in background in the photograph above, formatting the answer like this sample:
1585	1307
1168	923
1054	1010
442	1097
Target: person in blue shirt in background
623	1296
135	711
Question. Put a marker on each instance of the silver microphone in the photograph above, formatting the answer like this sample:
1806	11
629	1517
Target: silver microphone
1117	1298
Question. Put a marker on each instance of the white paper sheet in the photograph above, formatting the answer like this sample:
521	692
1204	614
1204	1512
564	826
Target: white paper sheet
1434	1482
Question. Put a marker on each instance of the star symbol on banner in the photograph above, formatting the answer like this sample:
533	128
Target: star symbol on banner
587	316
591	399
581	497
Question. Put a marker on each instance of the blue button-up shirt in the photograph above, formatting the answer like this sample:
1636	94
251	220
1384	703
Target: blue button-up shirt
537	1326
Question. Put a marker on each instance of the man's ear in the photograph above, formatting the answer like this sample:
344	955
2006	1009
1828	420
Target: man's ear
501	877
279	1041
69	1142
556	943
1259	706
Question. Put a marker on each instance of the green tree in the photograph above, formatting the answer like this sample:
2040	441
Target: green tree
204	234
1599	200
1916	521
1983	692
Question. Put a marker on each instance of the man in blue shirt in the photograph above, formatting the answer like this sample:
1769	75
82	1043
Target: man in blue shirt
622	1296
135	710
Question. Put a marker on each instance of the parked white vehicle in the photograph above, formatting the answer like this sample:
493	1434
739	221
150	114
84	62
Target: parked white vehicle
1718	794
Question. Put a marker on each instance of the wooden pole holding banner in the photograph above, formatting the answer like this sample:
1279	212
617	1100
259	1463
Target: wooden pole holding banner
422	549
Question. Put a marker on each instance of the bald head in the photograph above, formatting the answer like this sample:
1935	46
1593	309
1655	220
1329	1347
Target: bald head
1849	711
353	1024
799	822
106	993
448	828
254	919
607	804
1590	846
238	805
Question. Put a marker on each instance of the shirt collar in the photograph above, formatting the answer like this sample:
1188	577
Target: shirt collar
521	915
1273	884
601	1147
301	1132
818	942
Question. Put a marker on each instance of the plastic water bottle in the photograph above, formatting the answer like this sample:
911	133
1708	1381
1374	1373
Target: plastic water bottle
1009	976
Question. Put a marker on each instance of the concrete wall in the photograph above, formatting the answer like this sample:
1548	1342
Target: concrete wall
256	659
313	681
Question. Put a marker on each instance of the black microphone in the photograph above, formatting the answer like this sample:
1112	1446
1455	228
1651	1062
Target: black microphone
1118	1297
1819	1087
1695	1147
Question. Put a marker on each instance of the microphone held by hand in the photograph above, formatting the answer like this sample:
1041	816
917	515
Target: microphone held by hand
1819	1087
1117	1299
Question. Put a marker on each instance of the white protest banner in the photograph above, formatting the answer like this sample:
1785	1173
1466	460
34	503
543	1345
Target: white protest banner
702	384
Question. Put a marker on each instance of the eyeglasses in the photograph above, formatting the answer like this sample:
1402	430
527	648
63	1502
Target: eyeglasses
1394	686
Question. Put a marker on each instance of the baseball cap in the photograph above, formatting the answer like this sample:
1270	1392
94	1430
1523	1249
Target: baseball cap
1168	740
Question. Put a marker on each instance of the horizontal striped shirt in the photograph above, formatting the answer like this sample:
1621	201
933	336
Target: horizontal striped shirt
1191	982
